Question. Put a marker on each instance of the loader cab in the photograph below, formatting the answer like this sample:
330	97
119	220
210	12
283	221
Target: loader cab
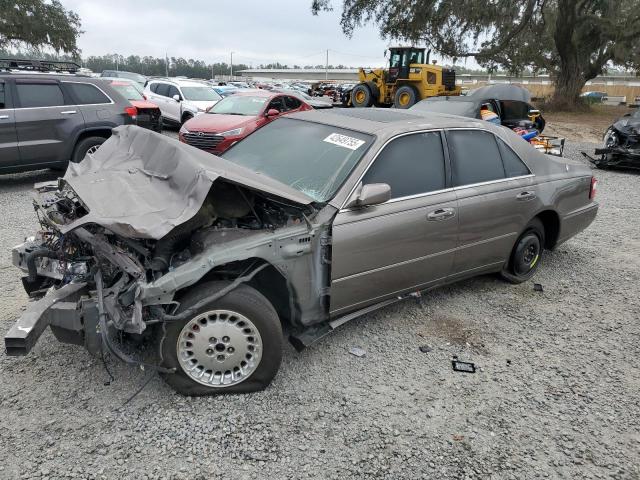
399	60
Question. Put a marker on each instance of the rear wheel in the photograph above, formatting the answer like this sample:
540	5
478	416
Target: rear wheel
233	345
406	96
361	96
87	146
526	254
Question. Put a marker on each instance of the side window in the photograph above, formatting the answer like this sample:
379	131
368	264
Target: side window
162	89
277	103
410	165
2	96
291	103
87	94
173	90
513	166
154	87
475	157
39	95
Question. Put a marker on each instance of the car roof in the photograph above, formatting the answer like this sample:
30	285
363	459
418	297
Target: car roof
386	121
257	93
47	76
181	82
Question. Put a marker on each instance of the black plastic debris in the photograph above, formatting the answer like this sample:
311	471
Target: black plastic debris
425	348
538	287
464	367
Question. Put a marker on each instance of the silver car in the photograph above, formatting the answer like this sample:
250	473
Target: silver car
311	221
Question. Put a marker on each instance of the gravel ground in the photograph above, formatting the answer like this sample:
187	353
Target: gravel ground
557	393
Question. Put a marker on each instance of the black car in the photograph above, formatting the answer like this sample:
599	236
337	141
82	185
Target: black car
47	120
510	102
621	145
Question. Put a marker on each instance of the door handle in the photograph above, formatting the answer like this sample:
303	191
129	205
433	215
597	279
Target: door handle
525	196
69	112
441	214
4	117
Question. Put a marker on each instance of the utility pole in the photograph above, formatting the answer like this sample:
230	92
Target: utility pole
212	77
326	67
166	64
232	65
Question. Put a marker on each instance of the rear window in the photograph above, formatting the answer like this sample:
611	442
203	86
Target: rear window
87	94
513	110
475	157
33	95
127	90
513	166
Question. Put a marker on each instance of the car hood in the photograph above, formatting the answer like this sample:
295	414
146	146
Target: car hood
202	105
142	184
628	125
142	104
217	122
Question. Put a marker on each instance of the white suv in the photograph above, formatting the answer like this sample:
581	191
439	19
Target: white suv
179	99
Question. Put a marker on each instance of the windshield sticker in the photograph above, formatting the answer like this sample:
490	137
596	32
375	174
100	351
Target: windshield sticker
344	141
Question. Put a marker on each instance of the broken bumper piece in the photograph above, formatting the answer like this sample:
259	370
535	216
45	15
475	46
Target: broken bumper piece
25	332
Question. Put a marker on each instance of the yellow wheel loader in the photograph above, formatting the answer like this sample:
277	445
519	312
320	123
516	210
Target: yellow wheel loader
409	79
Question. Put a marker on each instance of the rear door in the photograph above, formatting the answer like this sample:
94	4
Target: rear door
157	94
94	104
497	197
405	244
9	153
46	120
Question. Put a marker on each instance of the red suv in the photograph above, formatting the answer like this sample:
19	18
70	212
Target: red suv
235	117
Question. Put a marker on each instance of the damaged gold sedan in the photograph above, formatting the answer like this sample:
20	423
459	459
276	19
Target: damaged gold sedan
309	222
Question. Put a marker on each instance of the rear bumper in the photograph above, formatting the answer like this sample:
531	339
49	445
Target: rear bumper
577	221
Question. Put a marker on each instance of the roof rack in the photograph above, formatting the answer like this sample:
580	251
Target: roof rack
38	65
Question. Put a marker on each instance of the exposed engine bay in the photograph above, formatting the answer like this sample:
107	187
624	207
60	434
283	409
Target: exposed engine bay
621	144
96	273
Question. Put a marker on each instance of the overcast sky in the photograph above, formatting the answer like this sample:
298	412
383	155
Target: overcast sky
257	31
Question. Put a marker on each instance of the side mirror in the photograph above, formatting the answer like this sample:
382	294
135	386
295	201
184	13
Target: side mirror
272	112
370	194
176	98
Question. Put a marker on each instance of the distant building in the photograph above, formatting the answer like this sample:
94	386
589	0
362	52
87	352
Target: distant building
301	73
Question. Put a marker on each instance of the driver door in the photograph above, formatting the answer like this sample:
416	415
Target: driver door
404	244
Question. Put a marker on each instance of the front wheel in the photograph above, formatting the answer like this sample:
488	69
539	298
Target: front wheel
233	345
526	254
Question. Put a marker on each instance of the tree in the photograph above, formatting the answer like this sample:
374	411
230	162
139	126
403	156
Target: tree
573	40
37	23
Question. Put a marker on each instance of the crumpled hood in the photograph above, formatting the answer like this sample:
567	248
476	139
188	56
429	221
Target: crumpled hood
628	125
142	184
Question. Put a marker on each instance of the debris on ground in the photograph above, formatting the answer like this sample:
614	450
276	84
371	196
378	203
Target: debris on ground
538	287
357	351
465	367
425	348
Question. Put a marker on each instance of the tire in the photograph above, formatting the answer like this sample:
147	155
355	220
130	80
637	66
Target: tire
223	318
361	96
185	118
406	96
84	146
526	254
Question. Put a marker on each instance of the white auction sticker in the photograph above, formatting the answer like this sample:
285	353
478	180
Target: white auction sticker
344	141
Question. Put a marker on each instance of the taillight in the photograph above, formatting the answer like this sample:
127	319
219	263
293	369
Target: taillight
132	112
592	190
